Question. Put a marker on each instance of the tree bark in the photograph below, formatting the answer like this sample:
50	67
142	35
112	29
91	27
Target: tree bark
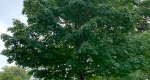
82	76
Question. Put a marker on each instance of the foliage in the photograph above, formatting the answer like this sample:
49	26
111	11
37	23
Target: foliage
14	73
137	75
67	39
144	11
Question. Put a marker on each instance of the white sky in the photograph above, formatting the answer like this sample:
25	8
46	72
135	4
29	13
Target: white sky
9	9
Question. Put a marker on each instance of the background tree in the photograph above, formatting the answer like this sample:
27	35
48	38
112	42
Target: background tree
14	73
78	39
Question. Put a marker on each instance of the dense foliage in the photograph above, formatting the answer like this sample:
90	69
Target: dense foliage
80	39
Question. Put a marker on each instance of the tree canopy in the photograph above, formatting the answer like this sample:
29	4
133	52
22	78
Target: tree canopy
79	39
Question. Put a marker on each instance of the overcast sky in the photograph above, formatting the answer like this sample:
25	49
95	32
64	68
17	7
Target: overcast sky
9	9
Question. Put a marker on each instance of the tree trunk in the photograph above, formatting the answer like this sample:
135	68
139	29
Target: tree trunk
82	76
107	78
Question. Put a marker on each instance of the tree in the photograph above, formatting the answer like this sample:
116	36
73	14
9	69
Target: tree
14	73
78	39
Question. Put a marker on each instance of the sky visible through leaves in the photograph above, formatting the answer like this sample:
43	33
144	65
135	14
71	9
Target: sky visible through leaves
9	9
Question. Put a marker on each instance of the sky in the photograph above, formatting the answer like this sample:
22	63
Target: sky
9	9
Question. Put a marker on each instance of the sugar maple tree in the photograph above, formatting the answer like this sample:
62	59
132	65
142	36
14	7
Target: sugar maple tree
79	39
